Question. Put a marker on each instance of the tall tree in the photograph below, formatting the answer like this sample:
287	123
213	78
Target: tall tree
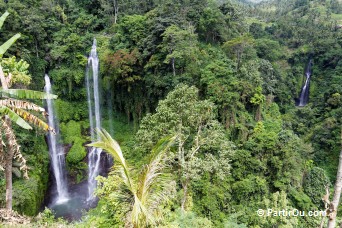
15	110
337	193
180	46
201	144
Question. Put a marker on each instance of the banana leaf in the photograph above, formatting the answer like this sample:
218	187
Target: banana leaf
15	117
3	18
8	44
27	94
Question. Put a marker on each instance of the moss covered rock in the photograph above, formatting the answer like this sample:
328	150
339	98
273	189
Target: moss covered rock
77	152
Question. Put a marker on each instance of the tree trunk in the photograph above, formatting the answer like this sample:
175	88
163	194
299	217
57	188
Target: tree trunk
337	193
116	11
2	152
258	113
173	67
4	83
37	48
8	161
9	150
185	194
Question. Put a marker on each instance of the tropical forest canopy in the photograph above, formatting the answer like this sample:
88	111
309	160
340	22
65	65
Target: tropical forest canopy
202	91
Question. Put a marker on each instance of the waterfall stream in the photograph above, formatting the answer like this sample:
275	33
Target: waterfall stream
56	150
92	83
304	93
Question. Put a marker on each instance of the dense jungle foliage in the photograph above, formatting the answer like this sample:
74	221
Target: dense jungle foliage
222	75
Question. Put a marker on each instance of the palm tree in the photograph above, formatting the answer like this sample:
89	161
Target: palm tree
13	108
138	198
17	111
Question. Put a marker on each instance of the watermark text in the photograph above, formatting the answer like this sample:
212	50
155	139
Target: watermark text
290	212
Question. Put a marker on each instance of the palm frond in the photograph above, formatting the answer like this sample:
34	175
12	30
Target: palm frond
163	190
162	145
13	103
33	119
141	214
8	44
15	117
108	144
150	177
3	18
27	94
154	169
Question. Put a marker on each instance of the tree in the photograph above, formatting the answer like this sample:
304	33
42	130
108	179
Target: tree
180	45
337	194
202	144
138	199
222	87
111	7
120	66
239	48
14	109
277	202
212	26
258	99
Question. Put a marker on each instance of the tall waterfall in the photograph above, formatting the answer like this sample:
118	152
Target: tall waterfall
304	93
56	150
92	83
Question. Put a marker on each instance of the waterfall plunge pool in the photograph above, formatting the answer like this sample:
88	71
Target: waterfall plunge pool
73	208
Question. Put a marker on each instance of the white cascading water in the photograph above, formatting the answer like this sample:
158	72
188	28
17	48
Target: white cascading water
56	151
92	83
305	87
304	94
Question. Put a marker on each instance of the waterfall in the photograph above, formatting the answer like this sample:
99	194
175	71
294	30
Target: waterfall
304	93
92	83
56	150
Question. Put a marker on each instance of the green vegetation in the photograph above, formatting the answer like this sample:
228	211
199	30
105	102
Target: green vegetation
221	76
14	109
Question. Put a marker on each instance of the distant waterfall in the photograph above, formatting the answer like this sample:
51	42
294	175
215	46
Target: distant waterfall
304	93
56	150
92	83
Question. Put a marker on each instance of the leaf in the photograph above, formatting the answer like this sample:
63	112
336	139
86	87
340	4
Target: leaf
33	119
108	144
3	18
15	117
13	103
163	145
16	172
148	187
8	44
27	94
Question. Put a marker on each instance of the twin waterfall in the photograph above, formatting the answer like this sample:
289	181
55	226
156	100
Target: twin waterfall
56	151
304	93
59	192
92	83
